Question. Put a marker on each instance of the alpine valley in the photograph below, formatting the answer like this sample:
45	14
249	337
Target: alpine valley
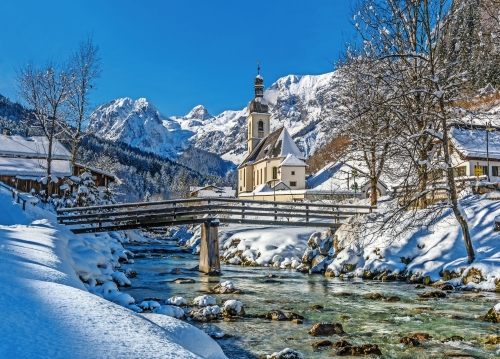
303	104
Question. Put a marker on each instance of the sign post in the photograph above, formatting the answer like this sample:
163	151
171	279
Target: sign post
478	171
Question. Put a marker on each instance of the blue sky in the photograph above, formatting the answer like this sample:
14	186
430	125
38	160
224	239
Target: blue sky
177	54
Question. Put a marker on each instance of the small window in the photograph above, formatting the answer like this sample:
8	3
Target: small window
293	184
485	170
275	173
494	170
293	173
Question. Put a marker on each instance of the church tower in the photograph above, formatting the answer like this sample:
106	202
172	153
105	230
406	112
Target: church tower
258	120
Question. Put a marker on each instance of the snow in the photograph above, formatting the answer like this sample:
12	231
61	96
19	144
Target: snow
292	160
303	104
204	300
472	142
288	146
179	301
432	249
234	305
285	242
33	167
170	310
35	146
49	313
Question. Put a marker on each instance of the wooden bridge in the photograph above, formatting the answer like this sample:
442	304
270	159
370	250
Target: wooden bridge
209	213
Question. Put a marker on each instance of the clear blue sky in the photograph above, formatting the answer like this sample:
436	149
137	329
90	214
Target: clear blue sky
178	54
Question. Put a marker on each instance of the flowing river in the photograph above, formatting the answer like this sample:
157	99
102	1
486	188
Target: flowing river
365	321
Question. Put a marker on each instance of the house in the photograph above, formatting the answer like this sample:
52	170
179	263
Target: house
475	146
23	165
342	179
335	181
23	162
273	157
212	191
100	177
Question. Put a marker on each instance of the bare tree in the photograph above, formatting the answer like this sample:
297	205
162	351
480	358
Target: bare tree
365	100
45	91
409	41
84	68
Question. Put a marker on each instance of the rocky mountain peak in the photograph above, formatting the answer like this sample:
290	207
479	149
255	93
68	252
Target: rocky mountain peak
198	113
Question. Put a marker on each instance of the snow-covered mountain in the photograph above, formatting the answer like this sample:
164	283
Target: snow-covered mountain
303	104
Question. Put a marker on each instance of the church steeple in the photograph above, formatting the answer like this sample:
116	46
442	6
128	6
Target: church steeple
259	83
259	117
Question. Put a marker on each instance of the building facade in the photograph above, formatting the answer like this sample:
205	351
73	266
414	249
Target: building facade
272	157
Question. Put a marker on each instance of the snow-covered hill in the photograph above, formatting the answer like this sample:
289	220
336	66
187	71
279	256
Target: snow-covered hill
303	104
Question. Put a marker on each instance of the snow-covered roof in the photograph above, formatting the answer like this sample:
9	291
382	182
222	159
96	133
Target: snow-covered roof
471	142
35	147
278	144
212	191
34	167
94	169
288	145
337	177
292	161
262	188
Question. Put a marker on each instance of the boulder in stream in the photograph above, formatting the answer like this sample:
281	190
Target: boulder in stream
493	314
433	294
286	354
226	287
409	341
322	344
366	349
326	329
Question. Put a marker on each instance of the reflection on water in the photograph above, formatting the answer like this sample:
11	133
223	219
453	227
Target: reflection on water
364	321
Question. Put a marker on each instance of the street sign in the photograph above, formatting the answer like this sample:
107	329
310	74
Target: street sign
478	171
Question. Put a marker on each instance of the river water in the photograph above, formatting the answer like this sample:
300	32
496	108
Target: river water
364	321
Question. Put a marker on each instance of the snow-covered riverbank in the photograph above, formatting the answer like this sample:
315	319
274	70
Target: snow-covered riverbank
48	312
357	249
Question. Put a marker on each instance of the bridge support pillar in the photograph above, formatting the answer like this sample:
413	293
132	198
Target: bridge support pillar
209	251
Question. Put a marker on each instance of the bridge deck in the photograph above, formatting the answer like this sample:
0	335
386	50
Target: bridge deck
196	210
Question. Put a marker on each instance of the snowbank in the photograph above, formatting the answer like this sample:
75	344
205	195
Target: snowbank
280	247
436	251
48	311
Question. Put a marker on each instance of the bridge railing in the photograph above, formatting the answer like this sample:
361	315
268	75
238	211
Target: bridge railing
197	210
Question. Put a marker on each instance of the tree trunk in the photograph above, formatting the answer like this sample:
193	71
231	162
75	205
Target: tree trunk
373	194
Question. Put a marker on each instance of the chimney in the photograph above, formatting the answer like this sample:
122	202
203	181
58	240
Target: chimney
6	131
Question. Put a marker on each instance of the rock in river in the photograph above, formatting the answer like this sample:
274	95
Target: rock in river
433	294
320	329
493	314
321	344
409	341
366	349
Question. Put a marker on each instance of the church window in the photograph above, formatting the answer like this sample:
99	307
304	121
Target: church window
275	173
261	175
293	173
261	129
293	184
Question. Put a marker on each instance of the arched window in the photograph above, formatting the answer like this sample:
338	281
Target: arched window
275	173
261	129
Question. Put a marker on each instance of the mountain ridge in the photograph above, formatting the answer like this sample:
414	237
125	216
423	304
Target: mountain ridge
302	103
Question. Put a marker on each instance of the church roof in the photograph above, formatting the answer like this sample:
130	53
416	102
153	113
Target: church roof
277	144
292	160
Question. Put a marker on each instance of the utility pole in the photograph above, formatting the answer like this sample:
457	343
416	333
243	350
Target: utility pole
488	129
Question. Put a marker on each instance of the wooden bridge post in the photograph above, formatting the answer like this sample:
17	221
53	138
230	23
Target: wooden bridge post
209	251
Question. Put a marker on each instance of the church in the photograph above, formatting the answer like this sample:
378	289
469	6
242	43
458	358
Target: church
274	162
